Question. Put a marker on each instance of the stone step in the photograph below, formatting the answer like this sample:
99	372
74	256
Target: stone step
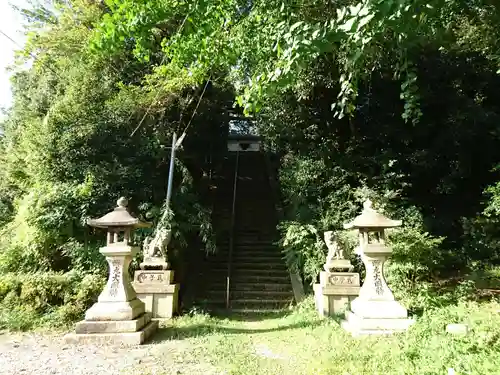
264	248
259	266
260	228
261	278
256	254
285	286
262	216
252	294
257	247
256	223
265	203
261	311
251	267
219	308
219	277
251	254
252	192
251	258
245	282
240	274
216	262
243	213
251	251
222	205
247	274
257	226
260	304
235	295
250	243
218	283
255	234
211	305
270	249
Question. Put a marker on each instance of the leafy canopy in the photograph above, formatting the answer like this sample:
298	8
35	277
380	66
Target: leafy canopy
264	45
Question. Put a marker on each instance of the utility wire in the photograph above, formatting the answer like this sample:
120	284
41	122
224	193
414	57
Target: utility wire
201	96
32	55
162	61
181	138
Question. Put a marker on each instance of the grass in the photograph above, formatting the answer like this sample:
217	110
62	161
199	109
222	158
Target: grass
300	343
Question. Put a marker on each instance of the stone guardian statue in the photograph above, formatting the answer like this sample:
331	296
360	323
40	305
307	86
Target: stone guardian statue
155	249
335	258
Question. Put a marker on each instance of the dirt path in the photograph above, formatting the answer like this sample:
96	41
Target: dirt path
30	354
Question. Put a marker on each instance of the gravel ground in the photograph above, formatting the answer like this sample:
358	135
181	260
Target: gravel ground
31	354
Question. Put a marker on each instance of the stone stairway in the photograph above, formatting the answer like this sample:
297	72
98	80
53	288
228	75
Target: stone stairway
259	278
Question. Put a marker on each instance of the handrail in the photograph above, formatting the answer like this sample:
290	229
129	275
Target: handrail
231	234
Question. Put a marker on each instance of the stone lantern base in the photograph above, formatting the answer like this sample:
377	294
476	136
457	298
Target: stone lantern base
118	317
335	291
114	332
376	318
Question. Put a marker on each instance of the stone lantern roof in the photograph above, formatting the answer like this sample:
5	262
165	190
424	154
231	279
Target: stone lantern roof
119	217
370	218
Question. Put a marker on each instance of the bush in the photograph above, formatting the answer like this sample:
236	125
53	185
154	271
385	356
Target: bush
416	256
303	249
481	239
45	218
84	258
43	298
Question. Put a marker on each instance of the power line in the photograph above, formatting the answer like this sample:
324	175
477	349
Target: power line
8	37
194	112
32	55
203	92
161	63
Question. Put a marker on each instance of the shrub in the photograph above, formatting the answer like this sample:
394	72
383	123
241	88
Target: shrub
30	300
84	258
303	249
416	256
45	218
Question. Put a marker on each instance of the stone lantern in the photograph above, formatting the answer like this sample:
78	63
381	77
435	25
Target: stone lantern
374	311
118	316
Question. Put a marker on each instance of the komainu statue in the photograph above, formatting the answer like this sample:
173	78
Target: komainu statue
155	249
335	257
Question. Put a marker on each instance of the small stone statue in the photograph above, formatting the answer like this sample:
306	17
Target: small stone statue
334	252
155	249
335	257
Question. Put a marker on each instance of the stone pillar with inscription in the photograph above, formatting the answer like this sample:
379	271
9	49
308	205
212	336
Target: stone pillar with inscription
118	317
338	286
375	311
154	281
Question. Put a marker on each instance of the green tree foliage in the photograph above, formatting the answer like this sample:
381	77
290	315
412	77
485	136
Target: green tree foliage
416	79
266	45
432	175
396	99
82	131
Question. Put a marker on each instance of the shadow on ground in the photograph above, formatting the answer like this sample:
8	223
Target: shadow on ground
250	317
197	330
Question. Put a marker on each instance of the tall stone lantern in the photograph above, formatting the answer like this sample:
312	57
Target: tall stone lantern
118	316
374	311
